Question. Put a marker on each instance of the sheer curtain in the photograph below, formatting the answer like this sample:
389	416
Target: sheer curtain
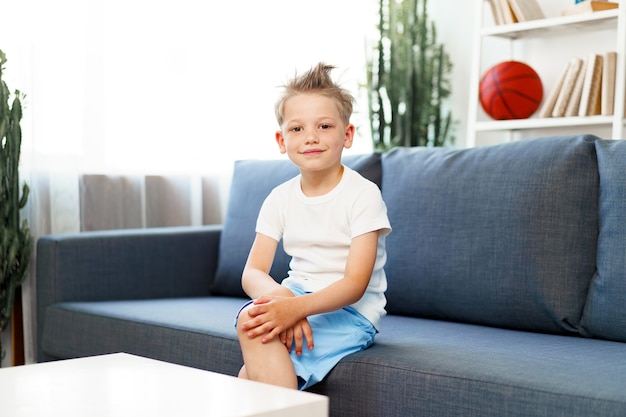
135	110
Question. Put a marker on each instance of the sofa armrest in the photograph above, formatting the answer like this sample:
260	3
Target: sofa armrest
125	264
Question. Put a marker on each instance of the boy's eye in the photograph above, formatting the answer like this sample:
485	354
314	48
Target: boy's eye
296	129
325	126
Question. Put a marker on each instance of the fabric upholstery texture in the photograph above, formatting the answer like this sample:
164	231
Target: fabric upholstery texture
421	367
181	330
605	314
252	181
486	227
124	264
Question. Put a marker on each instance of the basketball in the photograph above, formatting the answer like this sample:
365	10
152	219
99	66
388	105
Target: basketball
510	90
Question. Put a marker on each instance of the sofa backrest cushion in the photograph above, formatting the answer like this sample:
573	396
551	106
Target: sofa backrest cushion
605	311
501	235
252	181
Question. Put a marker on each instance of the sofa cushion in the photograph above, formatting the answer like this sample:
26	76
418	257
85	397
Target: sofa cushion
503	235
252	181
197	332
605	311
420	367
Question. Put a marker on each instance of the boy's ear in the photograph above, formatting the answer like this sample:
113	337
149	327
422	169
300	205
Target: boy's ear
347	142
280	140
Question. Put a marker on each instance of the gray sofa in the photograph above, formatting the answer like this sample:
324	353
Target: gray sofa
506	296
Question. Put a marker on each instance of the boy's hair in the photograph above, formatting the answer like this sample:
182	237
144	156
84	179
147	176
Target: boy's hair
316	80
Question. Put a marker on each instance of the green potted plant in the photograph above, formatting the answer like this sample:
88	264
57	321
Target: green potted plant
407	79
15	239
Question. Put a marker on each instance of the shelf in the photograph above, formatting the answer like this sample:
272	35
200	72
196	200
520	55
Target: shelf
562	23
541	123
608	26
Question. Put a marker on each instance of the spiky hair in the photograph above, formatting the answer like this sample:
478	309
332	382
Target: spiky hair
316	80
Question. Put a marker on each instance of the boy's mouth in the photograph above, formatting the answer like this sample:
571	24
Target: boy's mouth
311	152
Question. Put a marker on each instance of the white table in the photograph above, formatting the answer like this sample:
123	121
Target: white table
126	385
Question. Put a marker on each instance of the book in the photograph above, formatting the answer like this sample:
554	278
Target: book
548	104
589	97
589	6
525	10
574	100
565	93
495	11
536	10
507	14
516	8
607	96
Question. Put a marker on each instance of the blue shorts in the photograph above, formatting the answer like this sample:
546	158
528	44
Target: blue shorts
335	334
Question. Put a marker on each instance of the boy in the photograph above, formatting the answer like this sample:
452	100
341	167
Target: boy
333	223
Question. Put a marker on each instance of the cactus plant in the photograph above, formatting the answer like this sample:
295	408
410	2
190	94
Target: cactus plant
15	239
407	79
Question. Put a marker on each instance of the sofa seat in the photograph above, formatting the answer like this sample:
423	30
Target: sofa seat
432	362
195	331
422	367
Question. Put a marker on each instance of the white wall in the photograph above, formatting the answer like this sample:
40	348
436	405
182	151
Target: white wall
455	31
169	86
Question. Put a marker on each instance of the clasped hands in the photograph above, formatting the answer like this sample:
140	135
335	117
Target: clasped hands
279	316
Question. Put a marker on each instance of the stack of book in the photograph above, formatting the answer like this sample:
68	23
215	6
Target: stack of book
506	12
585	87
589	6
511	11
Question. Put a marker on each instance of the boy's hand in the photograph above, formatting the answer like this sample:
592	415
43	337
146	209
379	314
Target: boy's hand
275	316
301	330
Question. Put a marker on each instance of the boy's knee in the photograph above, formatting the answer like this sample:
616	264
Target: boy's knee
242	318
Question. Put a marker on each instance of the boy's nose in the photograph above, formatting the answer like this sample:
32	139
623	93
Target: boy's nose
312	138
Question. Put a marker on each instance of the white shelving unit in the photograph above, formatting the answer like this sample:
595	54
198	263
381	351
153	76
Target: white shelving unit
569	30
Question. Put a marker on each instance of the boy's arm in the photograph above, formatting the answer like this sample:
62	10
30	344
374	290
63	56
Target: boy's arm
257	282
255	279
274	316
352	286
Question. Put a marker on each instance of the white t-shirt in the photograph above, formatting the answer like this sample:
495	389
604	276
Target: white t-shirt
317	232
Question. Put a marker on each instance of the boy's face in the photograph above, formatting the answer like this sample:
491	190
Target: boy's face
312	134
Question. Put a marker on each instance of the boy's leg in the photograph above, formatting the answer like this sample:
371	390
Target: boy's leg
265	362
